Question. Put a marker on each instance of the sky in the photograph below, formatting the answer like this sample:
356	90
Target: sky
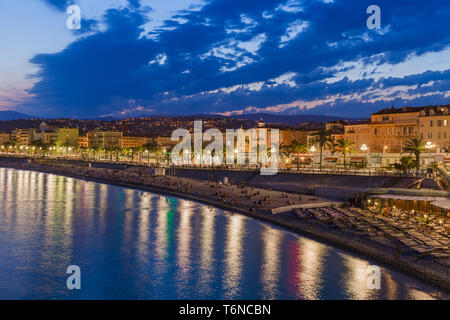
179	57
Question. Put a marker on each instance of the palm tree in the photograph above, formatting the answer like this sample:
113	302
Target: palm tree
154	149
323	139
126	152
116	152
414	146
41	146
344	146
406	163
297	148
97	151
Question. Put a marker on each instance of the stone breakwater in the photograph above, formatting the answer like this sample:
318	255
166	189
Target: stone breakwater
423	254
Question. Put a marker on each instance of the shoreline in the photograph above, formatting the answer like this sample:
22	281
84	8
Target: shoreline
429	272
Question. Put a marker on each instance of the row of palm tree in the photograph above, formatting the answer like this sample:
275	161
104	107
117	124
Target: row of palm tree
43	149
324	139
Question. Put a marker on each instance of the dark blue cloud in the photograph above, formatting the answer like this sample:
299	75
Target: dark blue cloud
60	4
175	68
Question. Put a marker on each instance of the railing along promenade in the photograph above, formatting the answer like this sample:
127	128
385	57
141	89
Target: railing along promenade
372	172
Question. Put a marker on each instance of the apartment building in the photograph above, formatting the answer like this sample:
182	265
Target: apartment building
335	125
48	137
359	134
24	137
105	139
83	141
165	142
391	128
45	133
4	138
434	128
289	136
67	137
133	142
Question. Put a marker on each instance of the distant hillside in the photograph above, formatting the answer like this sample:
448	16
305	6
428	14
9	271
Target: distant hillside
12	115
289	119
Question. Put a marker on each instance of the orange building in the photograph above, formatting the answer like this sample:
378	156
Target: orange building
133	142
391	128
288	136
359	134
83	141
434	128
4	138
24	136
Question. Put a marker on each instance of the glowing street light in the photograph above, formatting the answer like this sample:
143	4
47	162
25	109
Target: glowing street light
312	149
364	148
429	145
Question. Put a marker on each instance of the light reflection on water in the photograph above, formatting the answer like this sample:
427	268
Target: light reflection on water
139	245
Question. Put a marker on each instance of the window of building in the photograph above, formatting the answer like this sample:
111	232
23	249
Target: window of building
431	123
439	123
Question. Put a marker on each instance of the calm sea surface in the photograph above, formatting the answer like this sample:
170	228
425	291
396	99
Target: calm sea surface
139	245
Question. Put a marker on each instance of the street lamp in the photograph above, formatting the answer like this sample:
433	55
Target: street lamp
364	148
429	145
312	149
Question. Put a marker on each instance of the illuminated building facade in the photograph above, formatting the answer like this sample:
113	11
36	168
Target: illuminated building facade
67	137
133	142
105	139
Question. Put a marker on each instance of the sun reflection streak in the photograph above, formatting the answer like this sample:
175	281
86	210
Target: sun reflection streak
355	279
58	239
127	218
184	235
144	227
207	248
311	268
271	262
161	232
233	256
39	192
68	201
